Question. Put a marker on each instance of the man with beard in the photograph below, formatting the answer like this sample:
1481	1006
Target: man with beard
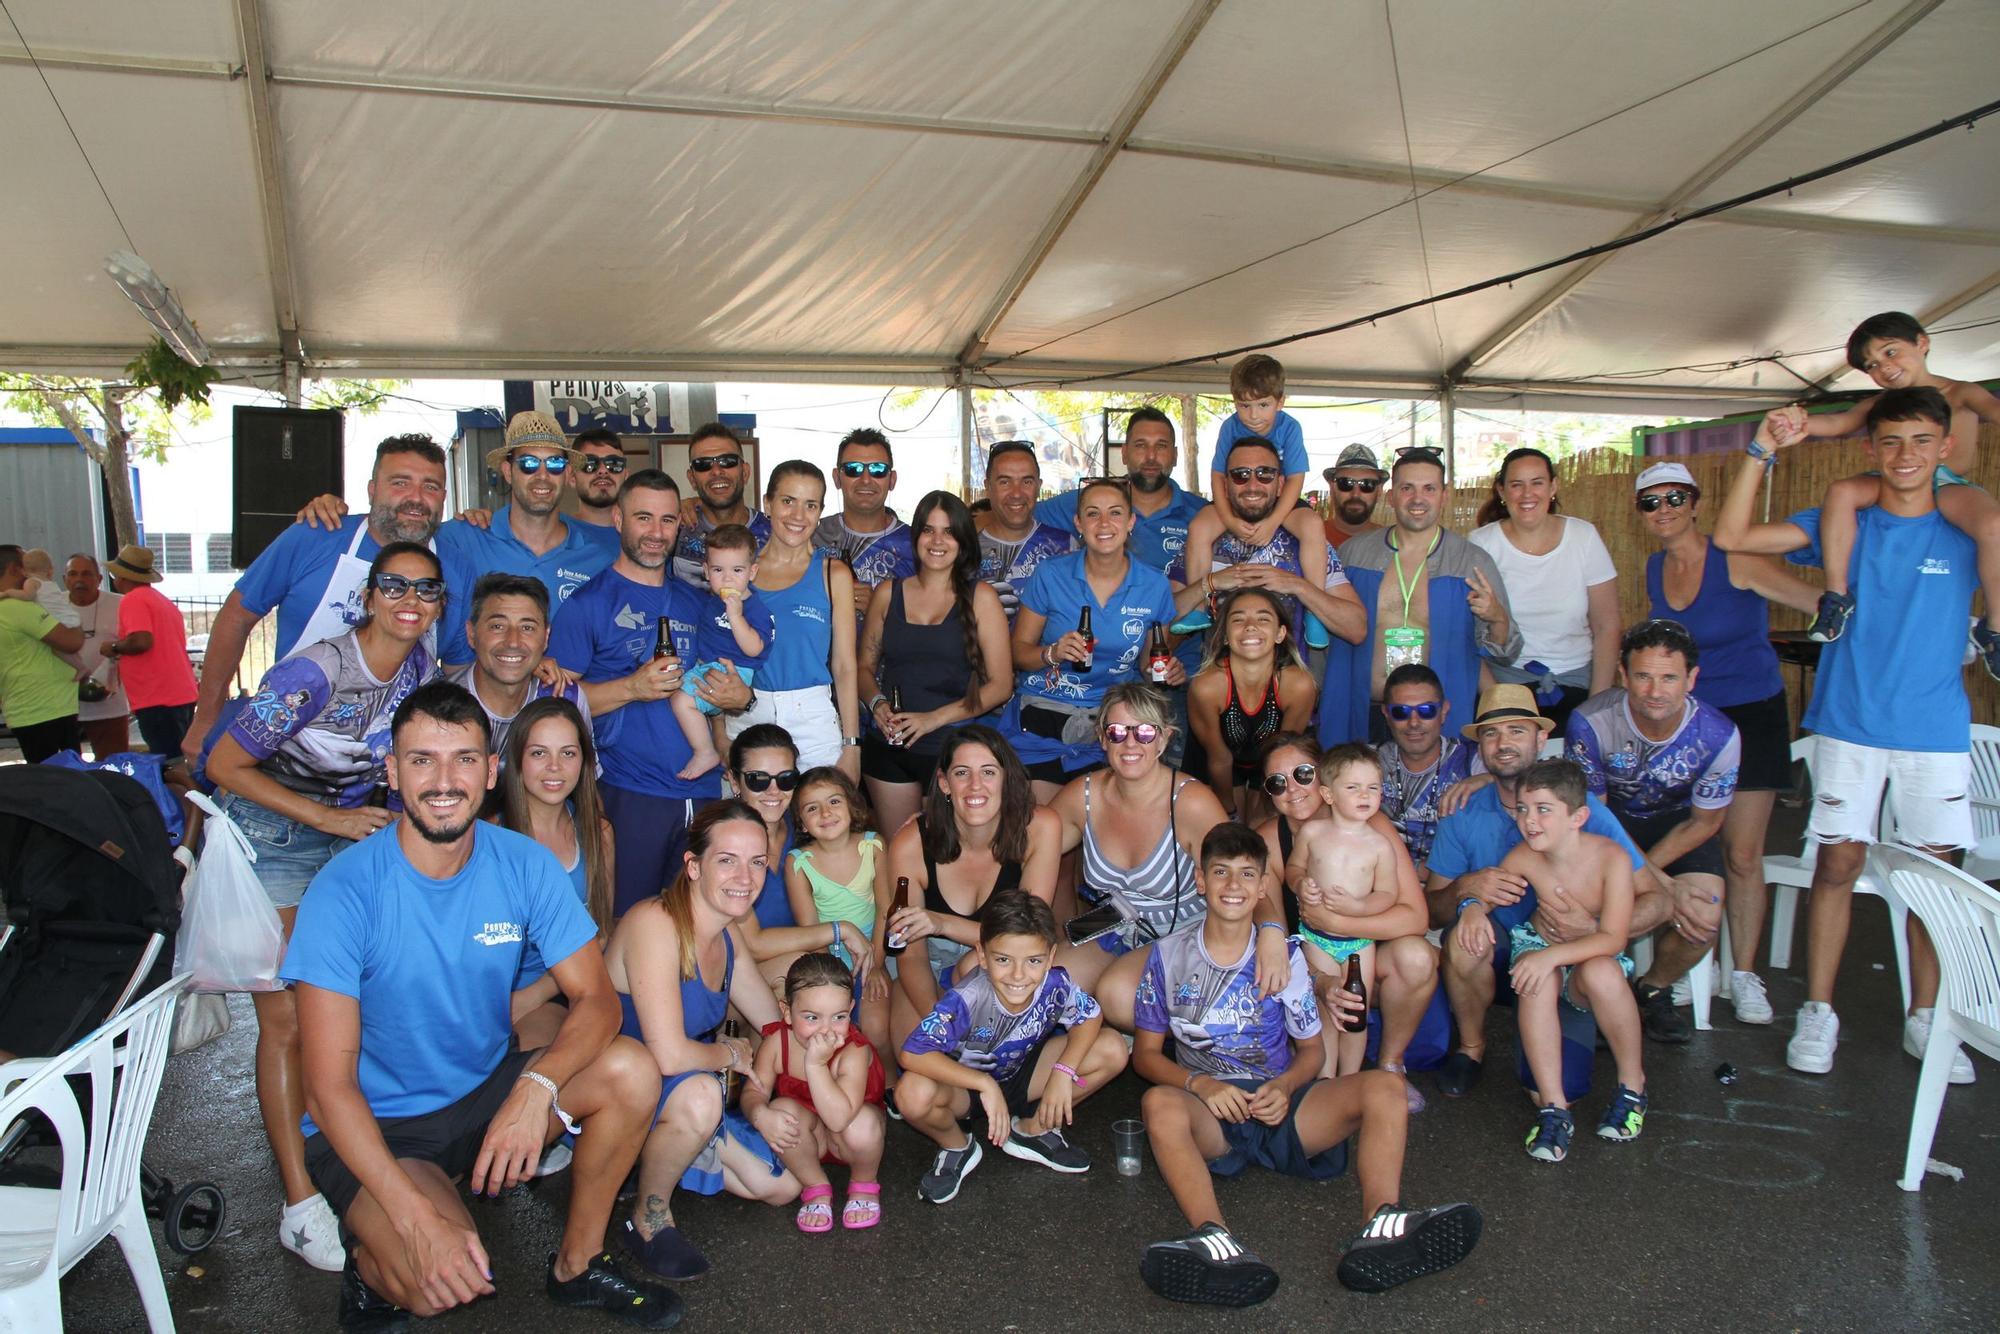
1465	873
403	960
866	533
1012	541
106	722
1353	482
1431	597
716	474
598	473
1420	763
527	535
508	623
315	577
608	634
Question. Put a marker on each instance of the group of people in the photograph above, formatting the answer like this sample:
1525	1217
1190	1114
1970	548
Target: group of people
1022	795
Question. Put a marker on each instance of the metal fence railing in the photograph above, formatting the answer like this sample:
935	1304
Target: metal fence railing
259	651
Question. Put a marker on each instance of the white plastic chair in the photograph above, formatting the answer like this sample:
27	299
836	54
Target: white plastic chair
1963	918
45	1232
1983	861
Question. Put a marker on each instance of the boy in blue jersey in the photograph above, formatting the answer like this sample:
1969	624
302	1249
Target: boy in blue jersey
735	624
1889	705
1257	384
1242	1088
989	1046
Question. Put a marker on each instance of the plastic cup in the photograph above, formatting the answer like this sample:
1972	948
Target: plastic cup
1128	1138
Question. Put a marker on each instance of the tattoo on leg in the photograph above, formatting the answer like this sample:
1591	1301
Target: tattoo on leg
655	1217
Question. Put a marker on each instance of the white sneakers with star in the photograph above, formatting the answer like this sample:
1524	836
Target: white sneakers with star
310	1231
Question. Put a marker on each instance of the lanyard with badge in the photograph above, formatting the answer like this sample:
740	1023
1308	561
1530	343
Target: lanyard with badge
1404	644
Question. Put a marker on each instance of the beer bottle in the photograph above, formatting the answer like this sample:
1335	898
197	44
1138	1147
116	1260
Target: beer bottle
893	943
663	640
1356	987
895	699
1089	639
1158	656
732	1078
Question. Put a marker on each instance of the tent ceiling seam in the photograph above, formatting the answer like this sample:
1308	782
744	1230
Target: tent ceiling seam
270	178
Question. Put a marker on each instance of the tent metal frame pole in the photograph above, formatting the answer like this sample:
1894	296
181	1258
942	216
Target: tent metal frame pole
965	438
1190	442
106	62
270	189
1164	64
1448	430
1715	169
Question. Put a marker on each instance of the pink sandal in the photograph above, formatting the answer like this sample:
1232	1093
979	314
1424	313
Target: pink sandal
816	1208
864	1205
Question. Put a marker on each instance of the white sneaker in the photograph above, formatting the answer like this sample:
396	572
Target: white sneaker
1683	992
1812	1044
310	1231
1746	993
1917	1036
555	1160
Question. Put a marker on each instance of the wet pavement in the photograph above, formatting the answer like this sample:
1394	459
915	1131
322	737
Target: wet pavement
1769	1204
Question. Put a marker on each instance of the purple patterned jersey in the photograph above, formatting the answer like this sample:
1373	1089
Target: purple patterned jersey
1640	778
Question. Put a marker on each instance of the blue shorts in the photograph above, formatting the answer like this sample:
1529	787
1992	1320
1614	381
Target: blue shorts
691	682
1252	1143
289	854
1339	948
1525	940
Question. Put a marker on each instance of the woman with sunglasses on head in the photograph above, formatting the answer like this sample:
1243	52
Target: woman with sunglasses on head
1139	825
979	832
934	652
1250	686
302	771
1561	587
807	685
1724	601
764	771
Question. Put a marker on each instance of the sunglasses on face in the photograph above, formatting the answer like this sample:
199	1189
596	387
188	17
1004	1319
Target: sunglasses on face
1426	711
1651	504
1143	733
394	586
611	463
1302	774
714	461
856	468
557	464
757	780
1263	473
1367	486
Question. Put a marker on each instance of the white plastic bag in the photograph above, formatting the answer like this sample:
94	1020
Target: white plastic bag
230	936
198	1021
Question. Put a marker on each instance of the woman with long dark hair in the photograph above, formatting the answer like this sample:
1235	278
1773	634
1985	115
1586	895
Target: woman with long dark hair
933	653
1252	685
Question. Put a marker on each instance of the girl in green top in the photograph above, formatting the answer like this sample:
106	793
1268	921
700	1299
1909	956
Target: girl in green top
839	873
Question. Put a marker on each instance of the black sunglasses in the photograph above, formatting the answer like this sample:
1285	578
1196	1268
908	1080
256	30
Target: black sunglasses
1651	503
612	463
1275	784
394	586
1263	473
557	464
714	461
1367	486
1428	710
757	780
854	468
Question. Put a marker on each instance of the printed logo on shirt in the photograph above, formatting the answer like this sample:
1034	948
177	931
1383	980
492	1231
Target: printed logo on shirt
627	619
1146	612
1173	543
1934	565
1134	627
499	933
808	613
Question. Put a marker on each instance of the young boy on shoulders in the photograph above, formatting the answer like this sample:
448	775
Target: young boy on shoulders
1257	386
1243	1088
1591	972
990	1045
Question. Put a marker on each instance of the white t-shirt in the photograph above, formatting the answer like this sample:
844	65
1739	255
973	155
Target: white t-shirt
1546	593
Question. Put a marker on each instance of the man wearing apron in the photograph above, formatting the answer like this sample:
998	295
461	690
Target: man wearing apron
313	577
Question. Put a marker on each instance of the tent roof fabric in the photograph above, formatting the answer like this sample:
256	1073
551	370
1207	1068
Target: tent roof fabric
872	190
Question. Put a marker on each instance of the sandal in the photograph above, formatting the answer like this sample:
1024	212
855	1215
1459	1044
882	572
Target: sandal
864	1205
816	1208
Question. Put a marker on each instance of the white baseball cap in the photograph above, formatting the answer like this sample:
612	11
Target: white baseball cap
1662	473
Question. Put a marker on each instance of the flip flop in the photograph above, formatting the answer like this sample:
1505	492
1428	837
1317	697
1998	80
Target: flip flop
816	1208
864	1205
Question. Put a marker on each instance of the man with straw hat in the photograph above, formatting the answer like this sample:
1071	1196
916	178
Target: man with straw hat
151	649
526	536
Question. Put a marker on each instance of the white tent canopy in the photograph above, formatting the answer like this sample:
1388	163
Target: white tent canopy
928	192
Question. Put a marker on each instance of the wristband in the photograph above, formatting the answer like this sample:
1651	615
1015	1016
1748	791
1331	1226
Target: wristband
1188	1083
879	699
1075	1078
1767	457
1271	926
1467	902
555	1100
1048	655
847	741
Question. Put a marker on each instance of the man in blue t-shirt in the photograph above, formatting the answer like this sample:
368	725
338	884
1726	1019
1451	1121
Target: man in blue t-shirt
313	577
1889	703
610	634
1465	869
404	957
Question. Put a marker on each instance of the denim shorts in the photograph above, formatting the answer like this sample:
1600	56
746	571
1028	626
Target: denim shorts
289	854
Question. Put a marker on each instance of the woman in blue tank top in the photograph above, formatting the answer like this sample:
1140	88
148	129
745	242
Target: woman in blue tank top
1724	601
807	685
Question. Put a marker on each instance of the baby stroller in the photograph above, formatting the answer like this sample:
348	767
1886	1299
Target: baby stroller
92	895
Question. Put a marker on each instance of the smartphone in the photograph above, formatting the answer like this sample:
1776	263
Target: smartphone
1099	921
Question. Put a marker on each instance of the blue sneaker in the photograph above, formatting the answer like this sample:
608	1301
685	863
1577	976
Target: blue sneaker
1192	621
1835	611
1625	1117
1988	643
1548	1142
1316	636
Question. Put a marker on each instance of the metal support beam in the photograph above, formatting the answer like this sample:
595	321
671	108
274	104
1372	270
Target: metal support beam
1448	430
965	439
270	184
1749	142
105	62
1135	107
1190	443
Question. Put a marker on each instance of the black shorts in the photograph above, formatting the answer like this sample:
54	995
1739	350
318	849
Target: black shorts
1052	771
1252	1143
1765	726
893	764
1703	859
1019	1101
450	1137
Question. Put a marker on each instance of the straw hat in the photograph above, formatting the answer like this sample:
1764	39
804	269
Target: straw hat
1505	704
530	428
134	563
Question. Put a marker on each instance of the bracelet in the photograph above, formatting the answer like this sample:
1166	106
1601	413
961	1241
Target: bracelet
555	1100
834	944
879	699
847	741
1768	457
1467	902
1048	655
1272	926
1188	1083
1075	1078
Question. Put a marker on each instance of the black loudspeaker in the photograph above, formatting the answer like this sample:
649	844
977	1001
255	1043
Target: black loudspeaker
284	457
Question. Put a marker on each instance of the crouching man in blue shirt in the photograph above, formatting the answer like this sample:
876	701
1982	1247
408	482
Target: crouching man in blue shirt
404	956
